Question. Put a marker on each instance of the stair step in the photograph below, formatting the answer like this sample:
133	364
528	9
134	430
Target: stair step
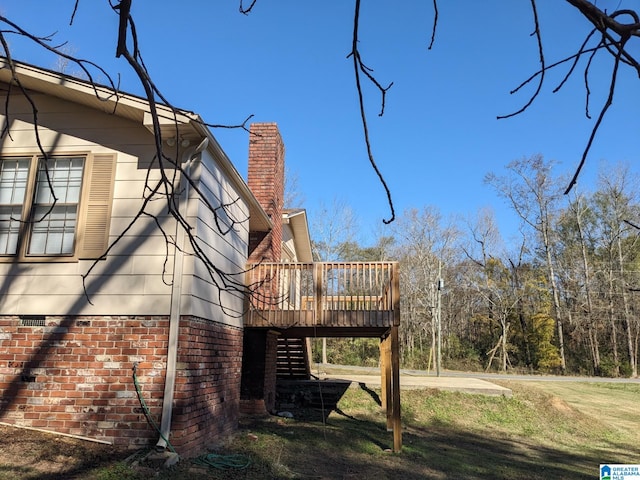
291	359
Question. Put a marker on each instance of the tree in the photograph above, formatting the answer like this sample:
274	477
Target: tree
577	228
379	252
497	280
614	203
333	230
293	197
424	246
534	195
503	301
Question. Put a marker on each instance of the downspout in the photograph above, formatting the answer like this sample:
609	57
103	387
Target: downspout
190	157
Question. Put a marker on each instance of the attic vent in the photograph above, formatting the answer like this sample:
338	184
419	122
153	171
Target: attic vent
32	321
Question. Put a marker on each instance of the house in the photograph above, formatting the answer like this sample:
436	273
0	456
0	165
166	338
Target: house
132	281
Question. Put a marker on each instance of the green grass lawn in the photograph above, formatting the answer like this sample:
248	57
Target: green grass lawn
546	430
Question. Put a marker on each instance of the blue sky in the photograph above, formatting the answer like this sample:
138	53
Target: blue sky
287	62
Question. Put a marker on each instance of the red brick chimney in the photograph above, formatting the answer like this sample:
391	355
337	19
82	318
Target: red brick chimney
266	180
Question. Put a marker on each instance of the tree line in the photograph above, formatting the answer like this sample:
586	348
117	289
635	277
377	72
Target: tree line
563	297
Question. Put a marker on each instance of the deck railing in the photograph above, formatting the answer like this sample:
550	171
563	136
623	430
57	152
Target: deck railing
329	294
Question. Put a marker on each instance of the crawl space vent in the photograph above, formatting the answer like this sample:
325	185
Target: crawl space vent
32	321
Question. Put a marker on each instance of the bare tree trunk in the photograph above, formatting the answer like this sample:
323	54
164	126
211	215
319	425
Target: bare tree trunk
627	316
554	292
503	346
324	351
614	330
492	354
591	331
594	348
521	315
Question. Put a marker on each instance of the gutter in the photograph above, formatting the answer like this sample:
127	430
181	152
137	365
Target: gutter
191	156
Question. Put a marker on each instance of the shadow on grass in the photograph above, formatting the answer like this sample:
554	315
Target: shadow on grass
349	447
374	395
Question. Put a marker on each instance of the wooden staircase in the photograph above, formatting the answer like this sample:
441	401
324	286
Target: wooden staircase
292	359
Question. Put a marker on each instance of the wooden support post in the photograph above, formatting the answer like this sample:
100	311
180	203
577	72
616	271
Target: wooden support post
317	279
395	388
395	359
309	354
385	378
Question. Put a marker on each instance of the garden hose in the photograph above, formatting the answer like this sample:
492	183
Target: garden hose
221	462
146	411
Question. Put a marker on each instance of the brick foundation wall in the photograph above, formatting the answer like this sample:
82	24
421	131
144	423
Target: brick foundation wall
271	370
74	375
207	394
259	371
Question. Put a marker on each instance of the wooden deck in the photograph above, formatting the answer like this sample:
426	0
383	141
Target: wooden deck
324	299
334	299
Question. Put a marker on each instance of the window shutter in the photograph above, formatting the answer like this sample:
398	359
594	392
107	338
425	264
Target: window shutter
93	231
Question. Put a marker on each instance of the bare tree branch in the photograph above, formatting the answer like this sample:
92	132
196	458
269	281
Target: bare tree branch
358	66
242	125
247	10
84	65
619	50
123	9
75	10
614	38
435	24
543	69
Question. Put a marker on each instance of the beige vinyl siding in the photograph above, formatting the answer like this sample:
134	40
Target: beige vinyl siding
61	118
229	250
130	282
218	189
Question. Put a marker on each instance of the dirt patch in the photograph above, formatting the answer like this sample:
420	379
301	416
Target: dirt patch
28	454
561	405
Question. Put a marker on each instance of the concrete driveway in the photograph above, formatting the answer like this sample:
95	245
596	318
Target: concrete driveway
407	381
